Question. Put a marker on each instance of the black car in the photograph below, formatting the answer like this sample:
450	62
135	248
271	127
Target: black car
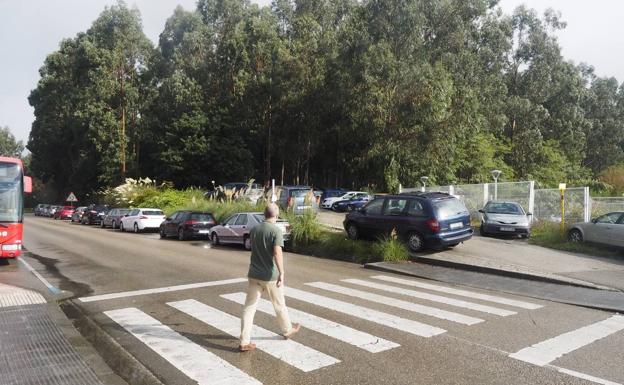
187	224
434	220
94	214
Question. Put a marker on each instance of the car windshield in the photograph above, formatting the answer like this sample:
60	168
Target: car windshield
152	212
123	211
259	217
448	208
201	217
504	208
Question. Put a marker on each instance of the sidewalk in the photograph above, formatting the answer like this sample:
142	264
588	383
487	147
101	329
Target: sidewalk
39	344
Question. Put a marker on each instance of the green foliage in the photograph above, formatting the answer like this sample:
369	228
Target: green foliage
305	229
8	145
391	249
350	93
614	178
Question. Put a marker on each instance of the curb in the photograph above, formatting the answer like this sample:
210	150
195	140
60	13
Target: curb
383	266
117	358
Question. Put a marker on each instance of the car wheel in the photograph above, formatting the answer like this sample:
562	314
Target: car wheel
482	231
415	242
352	231
102	224
162	233
121	226
181	236
214	239
136	228
114	225
575	236
247	242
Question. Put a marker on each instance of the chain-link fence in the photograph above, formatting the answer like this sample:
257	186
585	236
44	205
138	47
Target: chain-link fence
603	205
548	205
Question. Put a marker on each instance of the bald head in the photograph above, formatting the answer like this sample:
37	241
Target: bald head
271	211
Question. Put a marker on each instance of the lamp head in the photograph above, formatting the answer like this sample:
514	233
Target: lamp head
424	179
496	173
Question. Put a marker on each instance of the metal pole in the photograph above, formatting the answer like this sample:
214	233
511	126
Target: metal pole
495	188
562	211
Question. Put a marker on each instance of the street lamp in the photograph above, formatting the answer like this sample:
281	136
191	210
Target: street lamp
495	175
423	180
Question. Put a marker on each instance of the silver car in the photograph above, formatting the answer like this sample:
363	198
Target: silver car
236	229
607	229
505	218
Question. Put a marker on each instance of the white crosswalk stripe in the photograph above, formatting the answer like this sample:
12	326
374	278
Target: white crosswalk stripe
431	297
193	360
547	351
332	329
463	293
385	319
413	307
289	351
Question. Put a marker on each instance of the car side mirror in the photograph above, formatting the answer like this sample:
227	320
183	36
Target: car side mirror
482	211
594	221
529	214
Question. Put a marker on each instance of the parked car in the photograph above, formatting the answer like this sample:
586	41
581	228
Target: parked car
296	199
356	201
64	212
52	210
332	193
113	218
607	229
142	219
251	192
434	220
505	218
187	224
236	229
328	202
77	215
94	214
40	209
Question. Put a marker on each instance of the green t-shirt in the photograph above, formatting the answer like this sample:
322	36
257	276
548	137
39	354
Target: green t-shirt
263	238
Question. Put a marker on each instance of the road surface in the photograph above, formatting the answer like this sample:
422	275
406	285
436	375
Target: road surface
175	307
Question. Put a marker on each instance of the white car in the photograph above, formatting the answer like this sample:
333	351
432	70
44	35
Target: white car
327	203
138	220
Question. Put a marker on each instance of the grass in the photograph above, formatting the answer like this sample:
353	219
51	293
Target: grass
549	234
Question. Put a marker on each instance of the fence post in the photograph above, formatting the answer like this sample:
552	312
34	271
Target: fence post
451	190
532	199
587	205
400	188
486	194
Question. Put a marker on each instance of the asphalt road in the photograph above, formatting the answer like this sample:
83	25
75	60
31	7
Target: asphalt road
405	332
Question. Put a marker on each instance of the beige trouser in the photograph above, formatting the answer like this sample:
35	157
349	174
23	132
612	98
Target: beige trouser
276	295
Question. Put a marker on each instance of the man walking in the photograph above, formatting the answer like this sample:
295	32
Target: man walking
266	273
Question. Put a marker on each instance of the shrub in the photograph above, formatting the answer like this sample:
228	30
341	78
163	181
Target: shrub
304	229
391	249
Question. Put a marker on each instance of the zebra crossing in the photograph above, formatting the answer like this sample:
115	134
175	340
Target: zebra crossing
204	367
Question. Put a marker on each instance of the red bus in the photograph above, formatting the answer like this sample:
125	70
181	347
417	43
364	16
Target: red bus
13	185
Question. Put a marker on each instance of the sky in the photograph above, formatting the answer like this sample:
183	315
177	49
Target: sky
31	29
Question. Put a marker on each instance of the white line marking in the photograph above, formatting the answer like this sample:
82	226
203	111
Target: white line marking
413	307
585	376
463	293
124	294
549	350
432	297
385	319
289	351
47	284
190	358
332	329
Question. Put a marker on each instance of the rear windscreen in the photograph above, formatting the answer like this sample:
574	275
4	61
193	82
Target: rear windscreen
299	193
449	208
202	217
152	212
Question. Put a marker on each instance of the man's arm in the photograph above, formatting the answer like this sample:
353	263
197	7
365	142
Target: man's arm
279	261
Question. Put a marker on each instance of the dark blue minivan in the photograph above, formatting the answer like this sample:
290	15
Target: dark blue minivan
434	220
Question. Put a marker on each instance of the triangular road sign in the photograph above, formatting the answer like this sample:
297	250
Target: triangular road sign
71	198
